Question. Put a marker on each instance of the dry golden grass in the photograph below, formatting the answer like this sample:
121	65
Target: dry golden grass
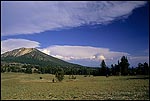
31	87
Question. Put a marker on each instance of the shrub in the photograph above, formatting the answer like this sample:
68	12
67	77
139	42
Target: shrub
85	75
59	75
53	80
29	70
72	77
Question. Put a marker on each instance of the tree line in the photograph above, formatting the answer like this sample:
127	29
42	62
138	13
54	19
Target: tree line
122	68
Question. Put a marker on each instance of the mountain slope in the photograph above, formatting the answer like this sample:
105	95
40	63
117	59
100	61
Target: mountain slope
35	57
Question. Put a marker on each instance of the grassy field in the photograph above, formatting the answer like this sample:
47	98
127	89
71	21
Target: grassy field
30	86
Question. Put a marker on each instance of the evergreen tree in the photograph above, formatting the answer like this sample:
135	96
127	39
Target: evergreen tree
59	75
140	69
124	65
103	70
3	69
146	69
8	69
143	69
28	70
43	70
113	69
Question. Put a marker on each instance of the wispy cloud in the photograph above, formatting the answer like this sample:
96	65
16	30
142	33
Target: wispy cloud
11	44
23	17
138	59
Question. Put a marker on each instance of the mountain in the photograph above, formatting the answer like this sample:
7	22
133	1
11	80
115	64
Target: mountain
35	57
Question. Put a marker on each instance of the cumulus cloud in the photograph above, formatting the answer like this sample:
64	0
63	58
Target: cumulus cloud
23	17
102	57
45	51
82	52
84	55
91	56
11	44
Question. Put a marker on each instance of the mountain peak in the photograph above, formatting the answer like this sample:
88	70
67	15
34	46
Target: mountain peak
23	51
19	52
27	49
34	56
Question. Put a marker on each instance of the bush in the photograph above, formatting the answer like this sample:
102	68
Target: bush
85	75
29	70
59	75
72	77
40	77
53	80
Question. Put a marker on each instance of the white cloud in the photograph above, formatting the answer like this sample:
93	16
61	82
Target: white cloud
102	57
45	51
92	56
11	44
82	52
139	58
84	55
23	17
134	60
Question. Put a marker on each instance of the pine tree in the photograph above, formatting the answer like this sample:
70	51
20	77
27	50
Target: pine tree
124	65
59	75
29	70
103	70
146	69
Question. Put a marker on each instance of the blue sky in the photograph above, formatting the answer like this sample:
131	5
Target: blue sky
79	32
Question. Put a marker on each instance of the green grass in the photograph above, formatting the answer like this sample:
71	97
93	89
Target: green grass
30	86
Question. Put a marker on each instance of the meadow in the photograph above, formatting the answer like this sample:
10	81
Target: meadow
20	86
